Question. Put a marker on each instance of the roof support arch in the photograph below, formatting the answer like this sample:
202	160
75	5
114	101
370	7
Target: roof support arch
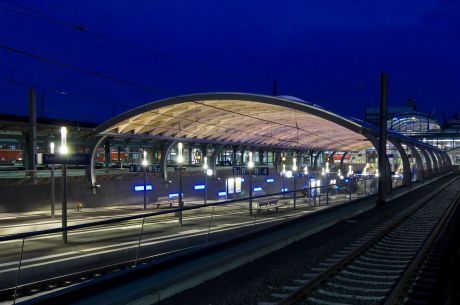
405	160
448	160
444	161
331	157
214	155
166	149
429	167
387	180
434	159
420	172
92	151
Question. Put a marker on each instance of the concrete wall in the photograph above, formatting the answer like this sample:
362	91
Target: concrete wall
20	195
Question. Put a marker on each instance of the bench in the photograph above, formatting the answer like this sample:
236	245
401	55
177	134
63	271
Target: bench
267	204
164	201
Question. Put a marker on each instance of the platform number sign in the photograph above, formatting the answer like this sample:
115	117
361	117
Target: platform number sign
136	168
258	171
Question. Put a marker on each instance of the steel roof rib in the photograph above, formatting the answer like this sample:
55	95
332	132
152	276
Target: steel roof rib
241	118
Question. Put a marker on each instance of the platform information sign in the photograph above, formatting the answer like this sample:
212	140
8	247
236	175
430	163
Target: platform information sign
136	168
258	171
70	159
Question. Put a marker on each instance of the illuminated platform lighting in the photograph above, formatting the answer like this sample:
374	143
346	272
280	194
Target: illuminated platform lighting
220	194
140	188
199	187
284	189
257	189
270	180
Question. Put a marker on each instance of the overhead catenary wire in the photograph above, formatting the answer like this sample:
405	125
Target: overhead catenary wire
270	136
39	15
135	85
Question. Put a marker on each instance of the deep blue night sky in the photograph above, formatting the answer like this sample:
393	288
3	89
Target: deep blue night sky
327	52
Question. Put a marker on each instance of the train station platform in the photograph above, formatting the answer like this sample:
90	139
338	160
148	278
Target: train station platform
137	241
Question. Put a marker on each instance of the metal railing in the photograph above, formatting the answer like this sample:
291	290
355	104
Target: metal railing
36	261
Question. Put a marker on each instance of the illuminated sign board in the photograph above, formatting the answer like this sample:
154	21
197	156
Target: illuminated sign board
174	195
140	188
137	168
258	171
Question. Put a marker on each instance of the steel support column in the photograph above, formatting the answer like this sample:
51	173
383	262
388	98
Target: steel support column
32	136
382	145
315	163
107	155
342	167
312	153
277	162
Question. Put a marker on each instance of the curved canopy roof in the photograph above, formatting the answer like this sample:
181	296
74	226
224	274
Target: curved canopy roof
239	118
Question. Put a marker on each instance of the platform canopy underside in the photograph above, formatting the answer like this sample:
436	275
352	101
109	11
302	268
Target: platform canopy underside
239	119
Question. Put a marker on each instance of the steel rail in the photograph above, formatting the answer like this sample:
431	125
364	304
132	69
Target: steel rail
318	281
399	290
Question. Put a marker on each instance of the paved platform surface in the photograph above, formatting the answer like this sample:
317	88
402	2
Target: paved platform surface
96	247
188	272
14	223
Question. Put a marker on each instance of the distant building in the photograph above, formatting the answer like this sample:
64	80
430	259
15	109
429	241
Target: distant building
410	122
371	114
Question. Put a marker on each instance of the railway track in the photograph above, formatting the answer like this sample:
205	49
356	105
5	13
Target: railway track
379	267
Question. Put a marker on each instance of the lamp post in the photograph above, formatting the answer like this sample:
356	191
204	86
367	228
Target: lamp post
145	163
283	174
327	171
377	176
349	174
305	173
63	150
53	185
364	177
250	167
307	183
294	170
180	160
207	172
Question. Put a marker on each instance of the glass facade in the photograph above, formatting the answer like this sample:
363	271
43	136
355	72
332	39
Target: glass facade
413	123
